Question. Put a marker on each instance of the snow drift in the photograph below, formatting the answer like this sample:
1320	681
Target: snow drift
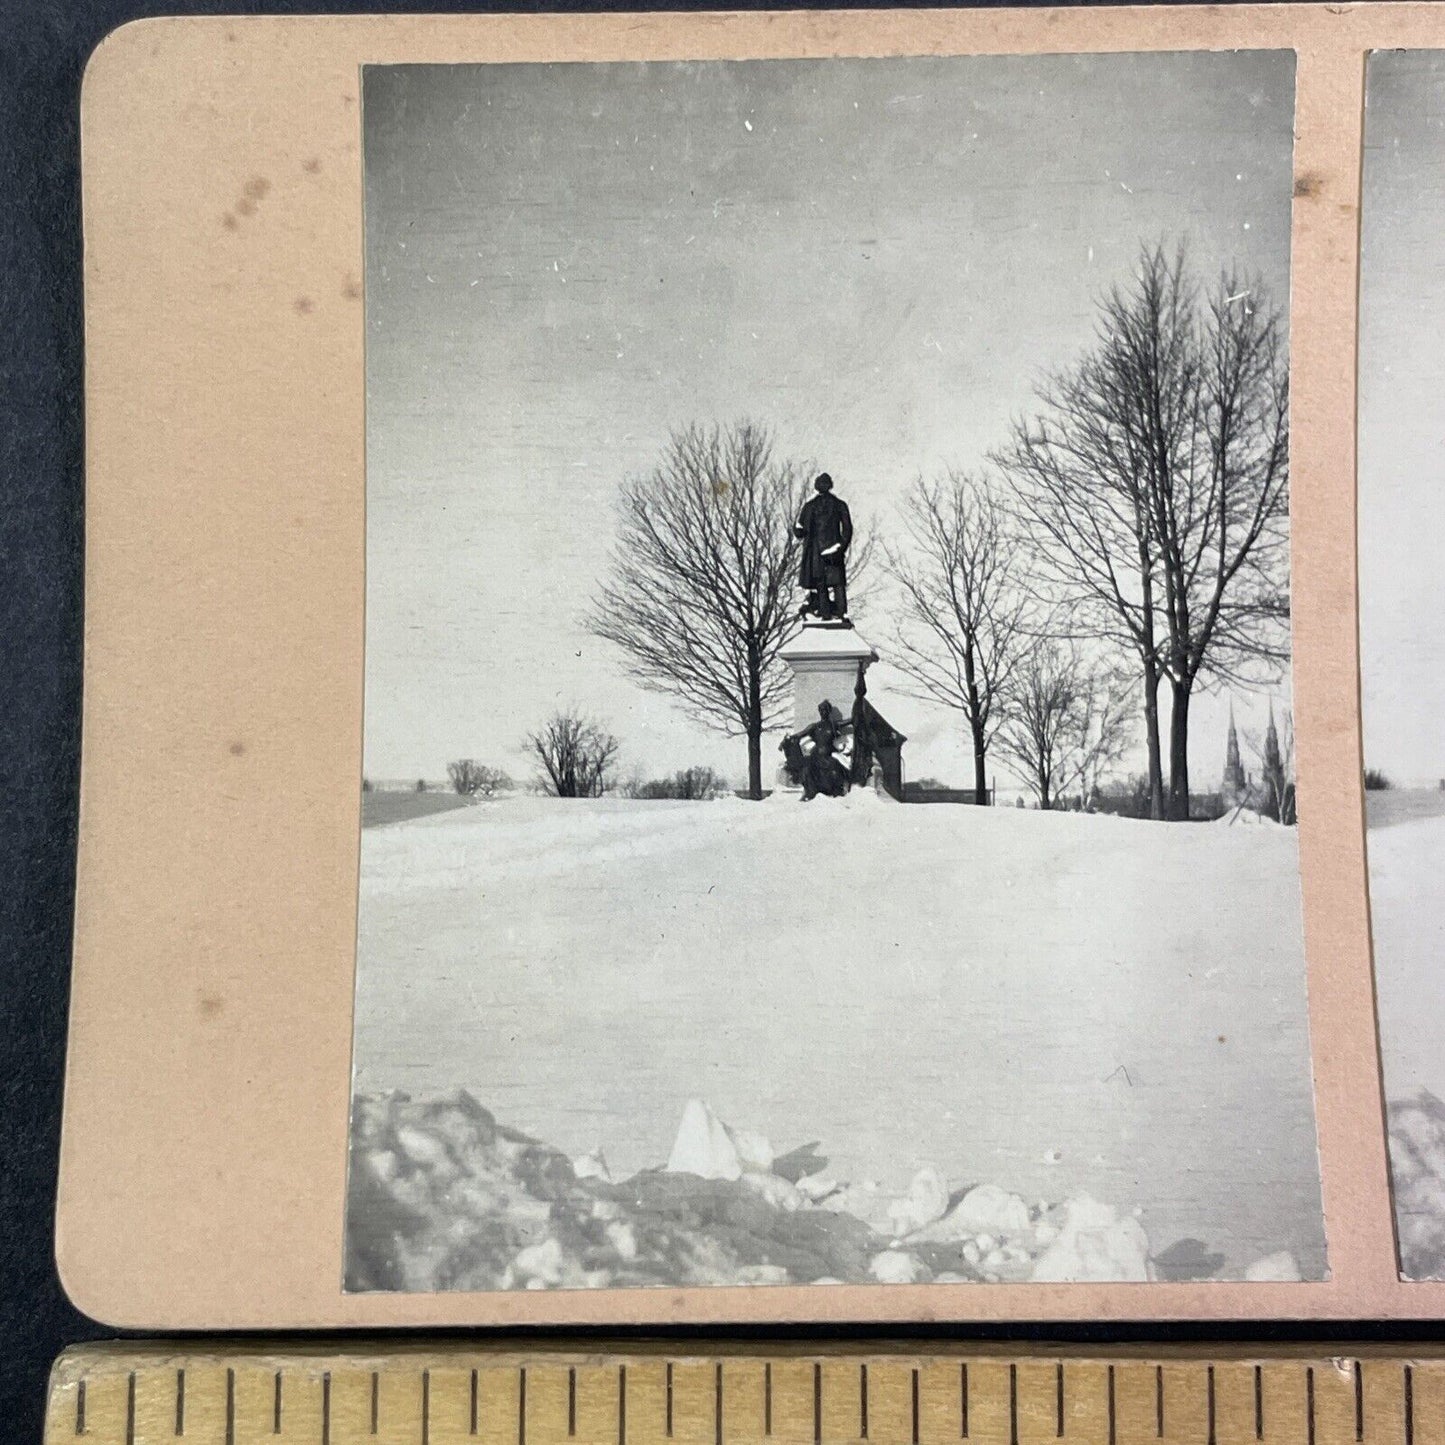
1058	1005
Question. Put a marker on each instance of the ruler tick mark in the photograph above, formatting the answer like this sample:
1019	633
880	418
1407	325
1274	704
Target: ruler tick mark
1203	1416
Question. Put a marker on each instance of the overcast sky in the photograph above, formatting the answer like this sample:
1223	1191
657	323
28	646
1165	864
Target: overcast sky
876	258
1402	416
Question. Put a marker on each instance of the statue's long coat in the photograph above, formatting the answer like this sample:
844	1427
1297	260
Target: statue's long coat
823	522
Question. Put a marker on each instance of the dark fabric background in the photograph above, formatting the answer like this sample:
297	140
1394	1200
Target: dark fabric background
43	48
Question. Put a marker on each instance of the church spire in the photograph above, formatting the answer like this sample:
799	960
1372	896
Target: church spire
1272	762
1234	785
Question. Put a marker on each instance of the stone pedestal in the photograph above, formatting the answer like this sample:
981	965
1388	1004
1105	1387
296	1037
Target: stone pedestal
824	658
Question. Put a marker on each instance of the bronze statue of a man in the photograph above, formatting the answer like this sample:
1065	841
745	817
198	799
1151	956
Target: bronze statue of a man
826	529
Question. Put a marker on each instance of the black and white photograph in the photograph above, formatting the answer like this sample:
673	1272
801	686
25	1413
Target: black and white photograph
1402	592
828	805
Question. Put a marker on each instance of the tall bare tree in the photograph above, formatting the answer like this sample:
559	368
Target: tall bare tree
1065	725
576	753
1154	481
963	619
1081	489
703	578
1222	514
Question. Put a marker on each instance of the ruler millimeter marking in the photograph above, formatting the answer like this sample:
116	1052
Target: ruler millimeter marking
766	1395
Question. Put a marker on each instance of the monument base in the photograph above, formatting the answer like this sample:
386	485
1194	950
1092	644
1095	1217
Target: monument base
827	659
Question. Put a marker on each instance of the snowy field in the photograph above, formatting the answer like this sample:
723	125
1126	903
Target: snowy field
1407	905
1053	1003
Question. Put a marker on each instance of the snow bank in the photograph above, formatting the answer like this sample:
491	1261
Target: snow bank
1057	1004
1417	1168
443	1197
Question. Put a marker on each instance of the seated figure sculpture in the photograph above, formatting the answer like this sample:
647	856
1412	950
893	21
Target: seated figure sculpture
817	767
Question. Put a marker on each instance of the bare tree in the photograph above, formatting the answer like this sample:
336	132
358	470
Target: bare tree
1066	723
1155	483
701	595
471	778
577	755
688	784
1223	517
1081	492
963	618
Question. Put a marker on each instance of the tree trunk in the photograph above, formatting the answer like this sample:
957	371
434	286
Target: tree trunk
755	762
755	723
1151	732
975	724
1179	752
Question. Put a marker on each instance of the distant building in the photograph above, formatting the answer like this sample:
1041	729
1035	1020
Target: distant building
1234	787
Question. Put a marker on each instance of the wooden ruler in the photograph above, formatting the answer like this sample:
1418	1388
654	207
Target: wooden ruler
645	1395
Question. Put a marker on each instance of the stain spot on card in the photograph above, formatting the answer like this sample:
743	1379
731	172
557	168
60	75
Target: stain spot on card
351	289
1308	185
237	748
304	306
229	221
312	166
256	188
210	1005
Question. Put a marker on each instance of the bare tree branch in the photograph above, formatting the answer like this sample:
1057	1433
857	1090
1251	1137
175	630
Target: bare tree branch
1067	724
964	613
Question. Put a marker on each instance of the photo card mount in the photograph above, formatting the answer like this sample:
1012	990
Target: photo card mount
216	938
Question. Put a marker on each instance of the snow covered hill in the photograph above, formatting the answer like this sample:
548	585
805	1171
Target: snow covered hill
1052	1003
